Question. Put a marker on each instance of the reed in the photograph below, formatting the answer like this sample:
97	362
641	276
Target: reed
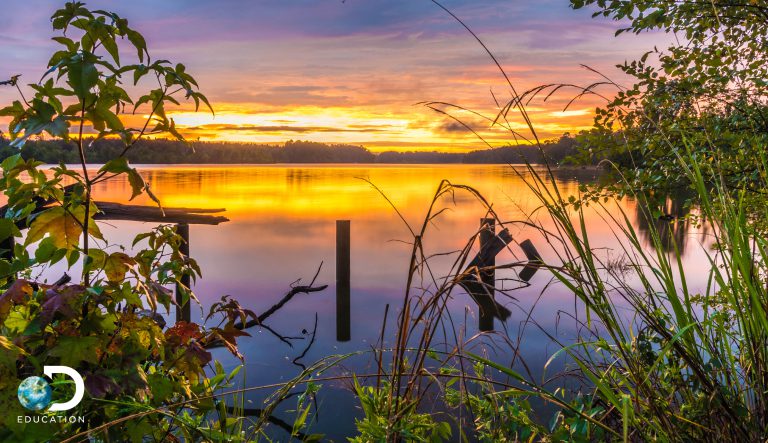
685	366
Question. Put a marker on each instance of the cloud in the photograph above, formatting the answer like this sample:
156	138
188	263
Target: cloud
369	60
280	128
453	127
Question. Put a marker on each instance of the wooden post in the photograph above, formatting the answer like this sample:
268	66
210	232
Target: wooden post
183	310
476	288
534	261
343	327
487	233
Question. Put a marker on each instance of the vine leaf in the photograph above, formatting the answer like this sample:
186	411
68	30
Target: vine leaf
117	265
60	301
62	227
73	350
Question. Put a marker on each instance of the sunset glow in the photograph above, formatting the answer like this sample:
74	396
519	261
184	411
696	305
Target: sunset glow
356	71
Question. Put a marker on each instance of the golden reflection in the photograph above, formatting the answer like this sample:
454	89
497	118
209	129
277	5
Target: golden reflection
311	192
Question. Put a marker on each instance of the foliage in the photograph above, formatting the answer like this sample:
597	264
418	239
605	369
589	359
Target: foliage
688	366
708	86
107	327
407	425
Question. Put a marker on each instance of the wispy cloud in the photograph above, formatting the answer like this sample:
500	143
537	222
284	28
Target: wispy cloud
352	71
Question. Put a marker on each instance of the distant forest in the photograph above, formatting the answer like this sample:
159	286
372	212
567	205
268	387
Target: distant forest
169	151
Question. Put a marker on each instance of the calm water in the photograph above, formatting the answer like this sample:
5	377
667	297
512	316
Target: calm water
283	227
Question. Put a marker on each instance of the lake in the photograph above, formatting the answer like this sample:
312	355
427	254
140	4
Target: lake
282	227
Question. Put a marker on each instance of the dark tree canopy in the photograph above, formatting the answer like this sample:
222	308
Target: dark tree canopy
706	92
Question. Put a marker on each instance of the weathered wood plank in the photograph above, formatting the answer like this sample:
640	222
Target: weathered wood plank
475	287
192	216
534	259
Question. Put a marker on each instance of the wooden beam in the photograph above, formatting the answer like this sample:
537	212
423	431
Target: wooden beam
534	261
191	216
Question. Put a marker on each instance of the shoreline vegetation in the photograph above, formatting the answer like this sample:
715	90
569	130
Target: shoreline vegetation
162	151
665	352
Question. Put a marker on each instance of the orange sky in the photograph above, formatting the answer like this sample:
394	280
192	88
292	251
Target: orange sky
356	71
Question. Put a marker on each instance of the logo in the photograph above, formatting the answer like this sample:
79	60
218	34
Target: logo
35	392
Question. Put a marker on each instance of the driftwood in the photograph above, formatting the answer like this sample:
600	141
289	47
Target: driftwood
261	318
293	292
474	285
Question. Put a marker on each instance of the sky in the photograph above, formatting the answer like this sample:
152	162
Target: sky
356	71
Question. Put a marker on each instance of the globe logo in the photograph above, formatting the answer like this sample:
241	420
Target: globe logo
34	393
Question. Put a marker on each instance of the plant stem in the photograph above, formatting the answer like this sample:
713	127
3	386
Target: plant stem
81	151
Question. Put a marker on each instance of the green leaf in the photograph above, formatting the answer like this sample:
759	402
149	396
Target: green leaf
117	165
73	350
120	166
96	259
137	183
45	250
110	118
68	42
108	41
8	229
82	77
17	320
139	43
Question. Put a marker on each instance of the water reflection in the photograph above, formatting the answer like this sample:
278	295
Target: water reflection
283	225
672	218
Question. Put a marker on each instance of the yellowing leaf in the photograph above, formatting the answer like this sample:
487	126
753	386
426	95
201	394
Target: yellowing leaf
59	224
93	228
116	265
63	226
98	258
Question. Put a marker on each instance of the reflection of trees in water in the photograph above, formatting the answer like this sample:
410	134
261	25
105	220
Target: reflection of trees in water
297	178
669	216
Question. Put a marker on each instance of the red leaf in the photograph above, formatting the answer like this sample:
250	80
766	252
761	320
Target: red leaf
182	332
100	385
19	291
59	300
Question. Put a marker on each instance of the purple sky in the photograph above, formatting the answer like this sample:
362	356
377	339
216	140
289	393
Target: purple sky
352	71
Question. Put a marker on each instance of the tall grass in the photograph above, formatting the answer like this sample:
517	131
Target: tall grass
662	361
685	365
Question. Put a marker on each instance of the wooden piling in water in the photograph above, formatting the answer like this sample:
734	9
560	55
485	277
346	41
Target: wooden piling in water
488	277
183	308
534	261
343	319
482	289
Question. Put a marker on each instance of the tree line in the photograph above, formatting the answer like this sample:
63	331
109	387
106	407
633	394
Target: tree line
162	151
